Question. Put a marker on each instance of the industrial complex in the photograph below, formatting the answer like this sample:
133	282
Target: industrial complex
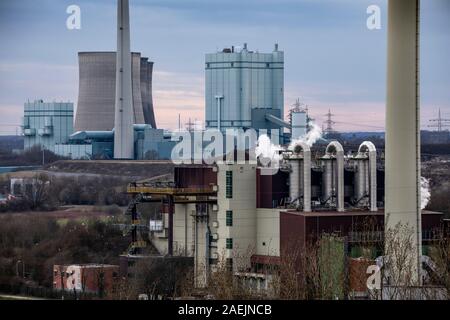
252	221
247	215
244	90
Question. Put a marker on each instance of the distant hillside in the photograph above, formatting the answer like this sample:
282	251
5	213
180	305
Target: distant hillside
358	135
9	143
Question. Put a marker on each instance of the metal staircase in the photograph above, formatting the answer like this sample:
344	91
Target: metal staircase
135	228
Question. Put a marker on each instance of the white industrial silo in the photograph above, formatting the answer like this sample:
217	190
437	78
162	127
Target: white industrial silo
299	125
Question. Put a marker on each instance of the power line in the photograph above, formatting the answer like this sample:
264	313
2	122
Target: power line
329	123
439	122
189	125
359	124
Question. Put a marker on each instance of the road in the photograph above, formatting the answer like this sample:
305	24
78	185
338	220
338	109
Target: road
12	297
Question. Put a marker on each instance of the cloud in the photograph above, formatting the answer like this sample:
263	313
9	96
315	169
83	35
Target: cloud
52	81
10	119
20	82
177	93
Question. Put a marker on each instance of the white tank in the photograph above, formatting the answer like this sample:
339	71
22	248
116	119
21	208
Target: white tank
299	125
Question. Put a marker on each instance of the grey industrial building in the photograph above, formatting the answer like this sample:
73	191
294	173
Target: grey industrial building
241	86
47	123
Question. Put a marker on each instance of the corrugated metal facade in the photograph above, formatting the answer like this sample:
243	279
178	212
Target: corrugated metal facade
246	80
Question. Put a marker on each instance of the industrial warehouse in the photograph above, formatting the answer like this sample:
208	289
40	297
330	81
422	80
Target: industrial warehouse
259	202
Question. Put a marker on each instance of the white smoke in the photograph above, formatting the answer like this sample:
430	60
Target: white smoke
314	134
425	194
266	151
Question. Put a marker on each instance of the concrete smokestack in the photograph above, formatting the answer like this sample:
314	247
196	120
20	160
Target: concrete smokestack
124	118
402	189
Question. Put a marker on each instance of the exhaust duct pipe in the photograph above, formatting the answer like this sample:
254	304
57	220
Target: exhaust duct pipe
334	174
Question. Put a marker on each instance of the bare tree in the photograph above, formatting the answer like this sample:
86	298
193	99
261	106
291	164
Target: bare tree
37	195
440	255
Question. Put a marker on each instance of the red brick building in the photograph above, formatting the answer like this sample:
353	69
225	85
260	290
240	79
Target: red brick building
85	278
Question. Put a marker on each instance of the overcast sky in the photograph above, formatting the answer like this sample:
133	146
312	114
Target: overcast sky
332	61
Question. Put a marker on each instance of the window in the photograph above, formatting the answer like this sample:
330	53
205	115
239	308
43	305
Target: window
229	264
267	65
229	243
229	183
229	218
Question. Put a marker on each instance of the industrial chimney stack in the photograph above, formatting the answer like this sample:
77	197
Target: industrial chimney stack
402	185
124	118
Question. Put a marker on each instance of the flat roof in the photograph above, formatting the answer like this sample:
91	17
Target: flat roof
330	213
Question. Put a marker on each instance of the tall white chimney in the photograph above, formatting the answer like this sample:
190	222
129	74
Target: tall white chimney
402	188
124	117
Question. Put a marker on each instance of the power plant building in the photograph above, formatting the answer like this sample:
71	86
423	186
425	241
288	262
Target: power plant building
47	123
97	87
233	213
241	85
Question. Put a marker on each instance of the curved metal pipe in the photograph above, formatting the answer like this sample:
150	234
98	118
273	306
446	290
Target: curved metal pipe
370	170
301	167
335	150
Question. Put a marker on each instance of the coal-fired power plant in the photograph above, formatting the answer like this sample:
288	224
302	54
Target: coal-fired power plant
114	98
334	181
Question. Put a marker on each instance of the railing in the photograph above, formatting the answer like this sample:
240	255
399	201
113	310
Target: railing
368	236
378	236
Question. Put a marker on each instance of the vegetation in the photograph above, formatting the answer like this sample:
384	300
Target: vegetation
30	247
156	277
49	192
31	157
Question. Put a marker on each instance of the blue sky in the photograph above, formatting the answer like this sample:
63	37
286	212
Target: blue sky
332	61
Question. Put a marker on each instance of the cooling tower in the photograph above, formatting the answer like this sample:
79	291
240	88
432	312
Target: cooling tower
97	87
146	90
